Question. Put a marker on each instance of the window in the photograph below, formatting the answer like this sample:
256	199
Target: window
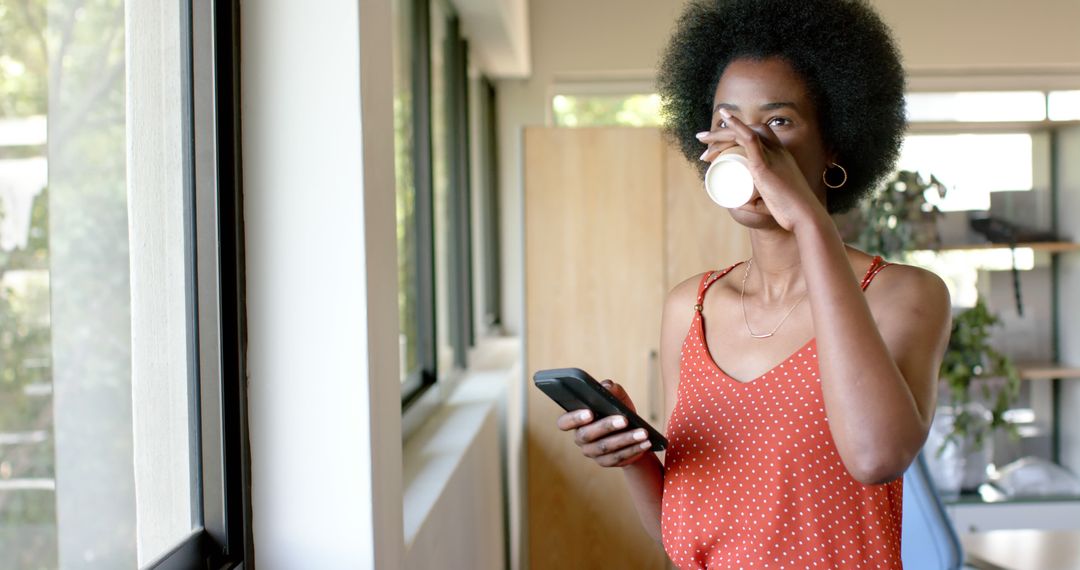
450	142
630	110
1063	105
121	422
416	264
977	106
434	208
490	305
959	161
414	207
1018	184
603	105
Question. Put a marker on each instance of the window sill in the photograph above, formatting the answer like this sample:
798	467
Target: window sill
437	448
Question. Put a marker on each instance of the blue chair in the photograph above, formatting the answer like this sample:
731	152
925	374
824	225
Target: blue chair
928	539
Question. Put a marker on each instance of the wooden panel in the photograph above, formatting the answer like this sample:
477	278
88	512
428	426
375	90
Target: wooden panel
1047	371
1019	549
593	294
700	235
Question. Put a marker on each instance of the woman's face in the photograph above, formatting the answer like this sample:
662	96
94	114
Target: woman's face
769	92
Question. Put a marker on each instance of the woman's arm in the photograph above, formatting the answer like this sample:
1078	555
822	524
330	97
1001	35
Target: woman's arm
645	477
607	442
878	378
878	370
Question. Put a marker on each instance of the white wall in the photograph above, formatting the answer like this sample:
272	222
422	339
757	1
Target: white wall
988	43
962	35
323	391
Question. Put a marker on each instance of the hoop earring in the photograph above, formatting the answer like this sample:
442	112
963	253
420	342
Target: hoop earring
826	181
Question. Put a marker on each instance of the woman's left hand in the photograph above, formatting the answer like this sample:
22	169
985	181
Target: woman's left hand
777	176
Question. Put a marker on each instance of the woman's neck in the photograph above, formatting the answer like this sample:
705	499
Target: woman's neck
776	273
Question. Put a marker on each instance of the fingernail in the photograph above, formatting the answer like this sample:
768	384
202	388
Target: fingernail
619	422
702	135
703	155
640	435
725	113
584	415
645	445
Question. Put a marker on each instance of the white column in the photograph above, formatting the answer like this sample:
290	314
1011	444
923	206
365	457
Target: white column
323	392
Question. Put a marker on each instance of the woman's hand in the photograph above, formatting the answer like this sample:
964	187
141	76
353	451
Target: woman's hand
777	176
606	440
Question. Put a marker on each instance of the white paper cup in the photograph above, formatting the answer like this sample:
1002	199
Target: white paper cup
728	181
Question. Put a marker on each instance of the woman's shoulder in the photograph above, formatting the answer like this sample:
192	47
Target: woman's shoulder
685	293
900	286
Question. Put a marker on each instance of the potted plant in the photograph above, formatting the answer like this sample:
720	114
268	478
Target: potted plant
964	425
896	219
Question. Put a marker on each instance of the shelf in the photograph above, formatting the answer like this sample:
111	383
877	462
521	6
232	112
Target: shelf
1047	371
1046	246
976	498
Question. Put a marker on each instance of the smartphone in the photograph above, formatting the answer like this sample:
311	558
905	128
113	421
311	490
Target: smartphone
574	389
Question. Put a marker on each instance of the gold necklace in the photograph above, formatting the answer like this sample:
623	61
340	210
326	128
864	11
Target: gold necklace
742	301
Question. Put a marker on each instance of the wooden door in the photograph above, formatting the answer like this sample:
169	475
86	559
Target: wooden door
700	235
614	217
594	288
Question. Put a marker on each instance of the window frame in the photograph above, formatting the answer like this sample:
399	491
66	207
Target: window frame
420	381
462	330
491	304
217	313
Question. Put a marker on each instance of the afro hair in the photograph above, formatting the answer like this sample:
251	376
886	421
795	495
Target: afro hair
840	48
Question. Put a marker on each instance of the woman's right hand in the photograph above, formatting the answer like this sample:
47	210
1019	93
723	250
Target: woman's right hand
606	440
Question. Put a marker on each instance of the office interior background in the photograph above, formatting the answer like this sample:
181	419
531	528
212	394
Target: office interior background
275	275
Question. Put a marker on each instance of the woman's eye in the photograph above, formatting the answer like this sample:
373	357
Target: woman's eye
779	122
721	125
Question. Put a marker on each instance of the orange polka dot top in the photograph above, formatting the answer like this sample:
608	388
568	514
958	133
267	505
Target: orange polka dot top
752	476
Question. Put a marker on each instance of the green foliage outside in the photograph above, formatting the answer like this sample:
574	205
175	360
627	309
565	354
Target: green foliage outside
63	59
27	518
607	110
406	225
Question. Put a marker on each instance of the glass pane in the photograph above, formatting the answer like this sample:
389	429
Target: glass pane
606	110
441	184
959	161
1064	105
404	165
27	466
96	465
985	106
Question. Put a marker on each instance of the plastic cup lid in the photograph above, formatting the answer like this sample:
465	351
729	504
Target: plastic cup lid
728	181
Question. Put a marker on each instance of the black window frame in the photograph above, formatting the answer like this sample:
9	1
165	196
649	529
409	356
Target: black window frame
420	380
487	109
458	233
456	78
210	33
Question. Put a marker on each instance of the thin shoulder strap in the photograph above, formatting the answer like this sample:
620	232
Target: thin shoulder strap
710	278
875	267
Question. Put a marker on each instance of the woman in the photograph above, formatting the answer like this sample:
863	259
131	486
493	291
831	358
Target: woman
793	414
